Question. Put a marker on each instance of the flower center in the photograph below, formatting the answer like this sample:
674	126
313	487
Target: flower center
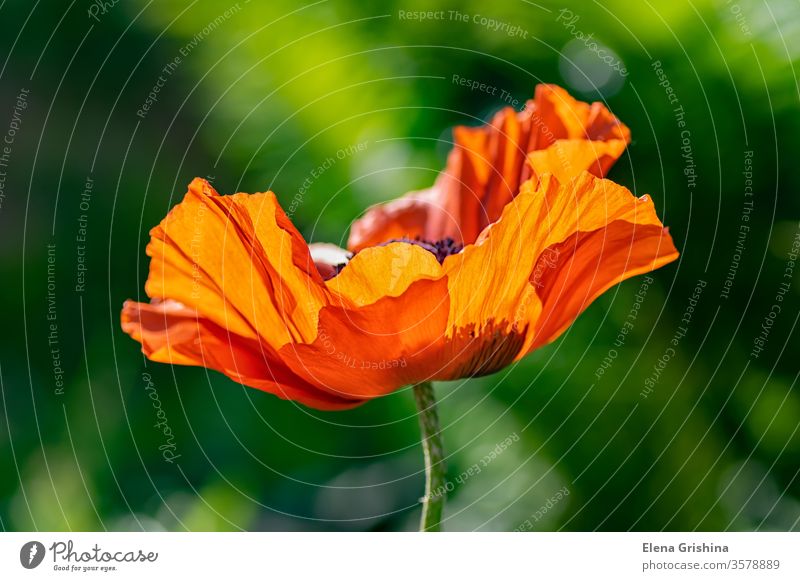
441	249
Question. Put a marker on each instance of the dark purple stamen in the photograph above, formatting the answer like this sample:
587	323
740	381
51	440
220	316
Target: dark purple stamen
441	249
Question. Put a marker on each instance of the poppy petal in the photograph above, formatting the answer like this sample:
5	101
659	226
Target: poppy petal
172	333
587	264
494	284
249	272
371	350
384	325
383	271
561	116
406	217
239	262
489	163
567	158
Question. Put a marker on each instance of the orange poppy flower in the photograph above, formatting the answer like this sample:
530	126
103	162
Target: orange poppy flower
534	240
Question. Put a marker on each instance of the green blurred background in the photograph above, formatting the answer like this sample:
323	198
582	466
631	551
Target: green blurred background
263	94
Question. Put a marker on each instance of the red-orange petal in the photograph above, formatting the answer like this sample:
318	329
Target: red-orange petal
210	253
172	333
560	116
236	289
384	326
502	304
581	268
553	134
232	281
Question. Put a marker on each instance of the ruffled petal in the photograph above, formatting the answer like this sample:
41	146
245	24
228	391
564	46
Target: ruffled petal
567	158
235	288
172	333
574	273
371	350
406	217
585	235
232	281
560	116
384	326
239	262
488	164
383	271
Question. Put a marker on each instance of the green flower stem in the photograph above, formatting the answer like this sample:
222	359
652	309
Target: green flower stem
433	502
